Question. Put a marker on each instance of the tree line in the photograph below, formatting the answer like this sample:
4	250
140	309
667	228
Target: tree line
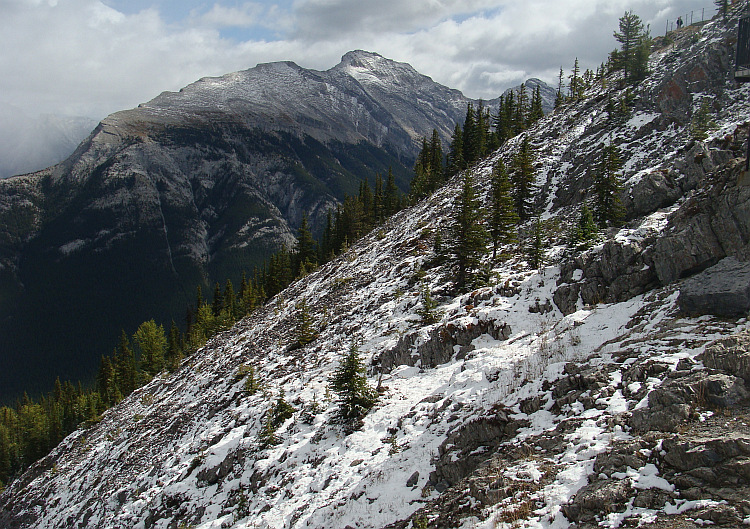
31	428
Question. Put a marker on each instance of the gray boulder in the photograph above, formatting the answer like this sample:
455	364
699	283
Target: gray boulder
730	354
722	290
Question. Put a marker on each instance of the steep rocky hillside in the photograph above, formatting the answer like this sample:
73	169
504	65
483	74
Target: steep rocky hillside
190	189
586	392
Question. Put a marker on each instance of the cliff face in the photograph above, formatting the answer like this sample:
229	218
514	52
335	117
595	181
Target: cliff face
578	393
191	188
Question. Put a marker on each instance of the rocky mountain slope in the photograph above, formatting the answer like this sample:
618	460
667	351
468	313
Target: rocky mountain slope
190	189
581	393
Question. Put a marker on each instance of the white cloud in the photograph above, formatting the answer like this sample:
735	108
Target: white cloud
84	57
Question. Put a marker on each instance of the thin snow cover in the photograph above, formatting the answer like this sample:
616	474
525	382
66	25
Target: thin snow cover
185	448
72	246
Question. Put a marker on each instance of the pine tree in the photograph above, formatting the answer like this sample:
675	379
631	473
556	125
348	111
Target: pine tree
420	183
536	249
173	355
106	383
305	254
354	395
585	230
607	188
436	161
560	98
503	218
252	384
218	303
275	417
230	301
469	235
520	119
470	151
125	366
575	82
481	130
503	126
151	342
631	37
427	310
522	178
536	111
456	161
327	245
305	325
391	198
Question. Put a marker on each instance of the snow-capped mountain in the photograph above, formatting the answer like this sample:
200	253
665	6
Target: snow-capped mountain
581	394
190	189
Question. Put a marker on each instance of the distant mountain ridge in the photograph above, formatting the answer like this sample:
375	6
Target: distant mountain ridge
189	189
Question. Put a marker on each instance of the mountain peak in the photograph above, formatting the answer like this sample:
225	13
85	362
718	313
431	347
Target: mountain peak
366	65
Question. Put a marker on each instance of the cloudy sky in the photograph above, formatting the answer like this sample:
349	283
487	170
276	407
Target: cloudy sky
94	57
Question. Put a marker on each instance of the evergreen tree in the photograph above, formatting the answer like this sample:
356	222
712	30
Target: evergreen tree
230	301
354	395
305	325
576	91
378	200
520	119
218	303
607	188
151	342
106	383
327	245
502	125
702	121
536	248
391	198
174	348
469	235
252	384
522	178
436	161
420	183
470	147
125	366
276	416
631	37
640	61
456	161
585	230
305	255
536	111
427	310
503	218
279	274
481	130
560	98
